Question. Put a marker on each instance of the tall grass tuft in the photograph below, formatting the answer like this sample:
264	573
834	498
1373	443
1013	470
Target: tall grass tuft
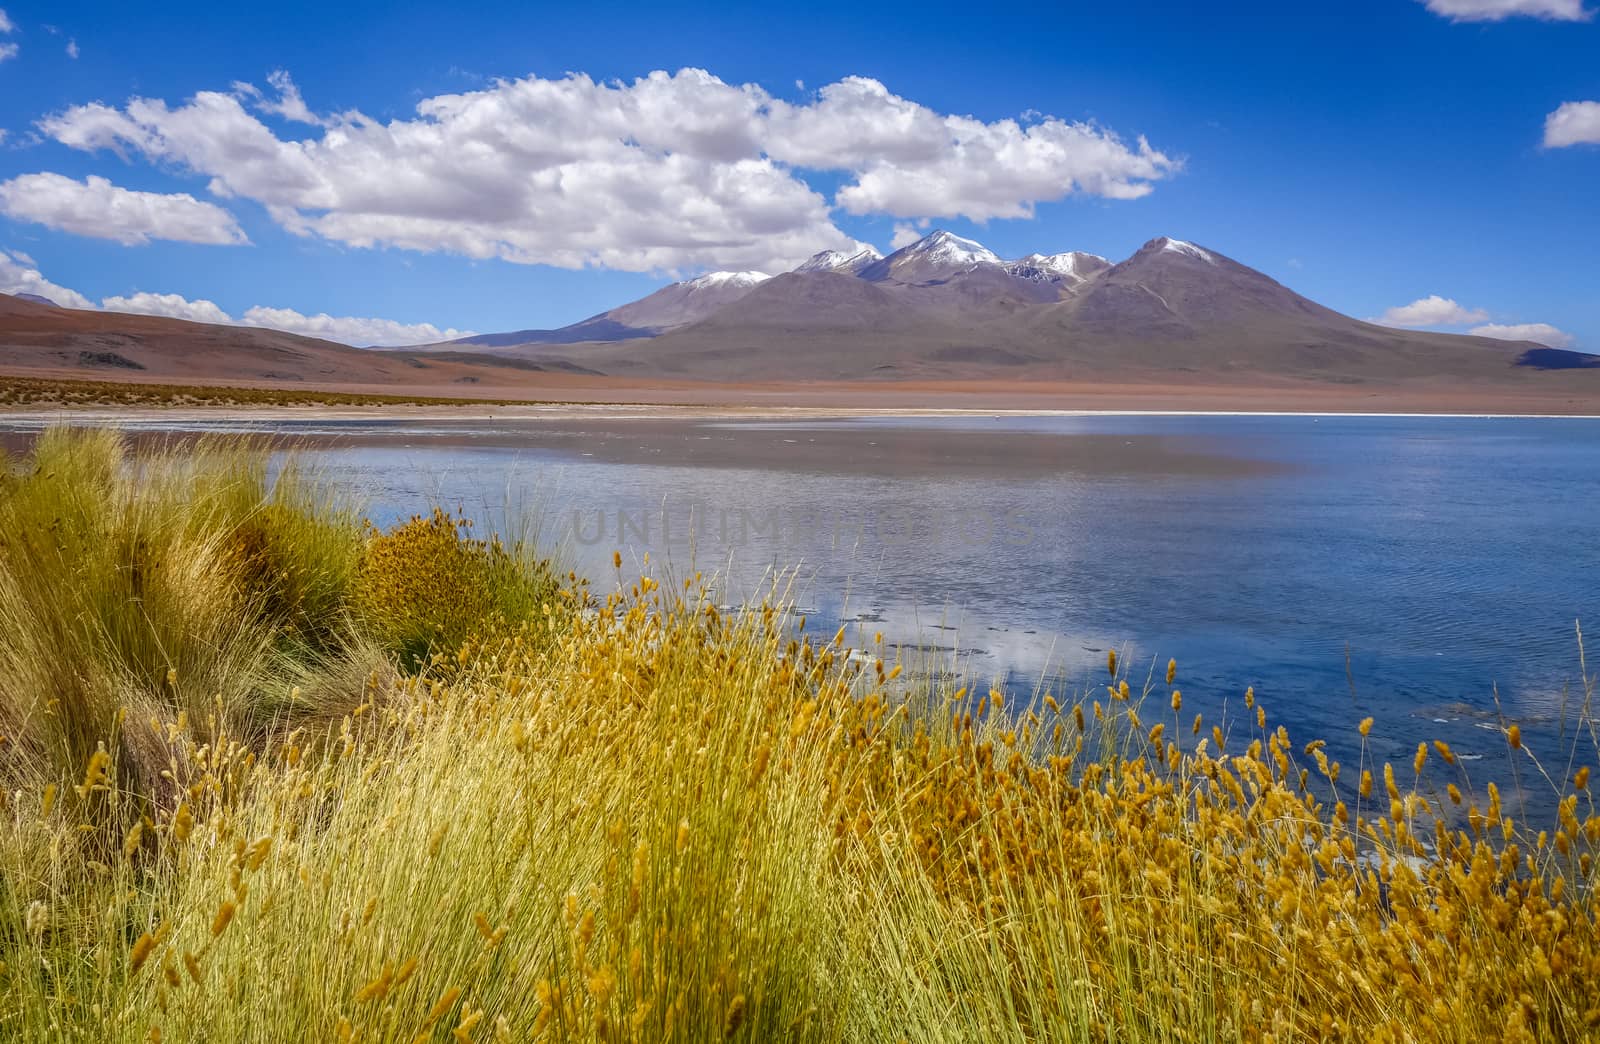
428	585
639	817
135	590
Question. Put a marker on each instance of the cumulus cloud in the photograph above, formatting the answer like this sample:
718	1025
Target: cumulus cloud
348	329
668	172
1432	311
904	235
96	207
910	161
1574	123
8	50
174	306
19	275
344	329
1539	333
1442	311
289	104
1499	10
72	49
6	25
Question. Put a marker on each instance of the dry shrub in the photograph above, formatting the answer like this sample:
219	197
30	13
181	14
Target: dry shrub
428	584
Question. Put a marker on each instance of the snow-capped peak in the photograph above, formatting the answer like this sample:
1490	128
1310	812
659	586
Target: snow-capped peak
734	279
947	248
1065	265
1071	268
1059	264
834	260
1178	246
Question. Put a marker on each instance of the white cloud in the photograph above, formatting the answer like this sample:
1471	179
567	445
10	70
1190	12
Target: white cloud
1432	311
8	50
1540	333
1498	10
344	329
910	161
72	49
1574	123
174	306
1442	311
290	104
350	330
96	207
19	275
904	235
668	172
6	25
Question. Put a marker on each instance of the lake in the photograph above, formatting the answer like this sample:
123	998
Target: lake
1415	569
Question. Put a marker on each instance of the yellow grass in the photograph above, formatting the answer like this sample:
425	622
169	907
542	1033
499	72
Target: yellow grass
636	818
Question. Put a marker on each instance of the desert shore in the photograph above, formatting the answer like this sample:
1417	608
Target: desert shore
545	395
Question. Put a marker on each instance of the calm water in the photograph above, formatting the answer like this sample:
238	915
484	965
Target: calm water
1407	568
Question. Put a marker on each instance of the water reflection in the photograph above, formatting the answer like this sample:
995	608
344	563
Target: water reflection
1415	569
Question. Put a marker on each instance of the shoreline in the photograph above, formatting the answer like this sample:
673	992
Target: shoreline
472	412
560	395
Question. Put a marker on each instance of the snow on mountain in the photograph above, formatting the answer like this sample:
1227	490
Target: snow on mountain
946	248
839	261
940	271
686	302
1178	246
736	280
931	259
1071	267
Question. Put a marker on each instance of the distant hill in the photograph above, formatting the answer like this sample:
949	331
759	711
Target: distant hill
43	338
948	308
666	309
941	317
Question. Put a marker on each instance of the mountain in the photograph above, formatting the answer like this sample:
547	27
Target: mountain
951	275
930	259
36	299
666	309
46	340
689	301
812	301
1168	281
839	261
1069	270
1174	319
948	308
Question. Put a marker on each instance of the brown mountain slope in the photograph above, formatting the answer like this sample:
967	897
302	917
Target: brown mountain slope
1173	311
43	339
1175	320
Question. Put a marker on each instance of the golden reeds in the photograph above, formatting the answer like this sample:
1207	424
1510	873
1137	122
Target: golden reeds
645	818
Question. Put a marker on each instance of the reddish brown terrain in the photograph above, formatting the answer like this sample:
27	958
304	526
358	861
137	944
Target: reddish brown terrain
1174	327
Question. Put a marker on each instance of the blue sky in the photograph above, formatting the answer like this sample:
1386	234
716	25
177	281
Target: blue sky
1371	155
